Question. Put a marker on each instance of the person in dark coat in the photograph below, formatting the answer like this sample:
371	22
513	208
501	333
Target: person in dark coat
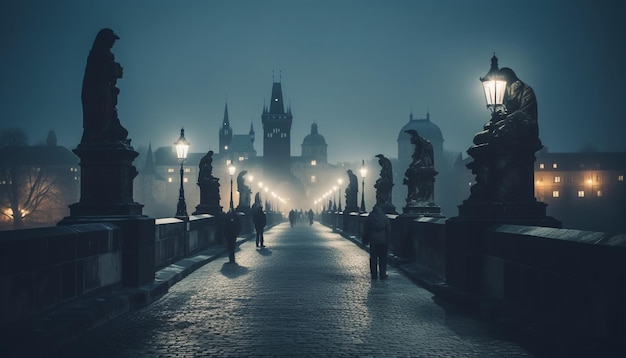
259	219
311	215
232	227
376	232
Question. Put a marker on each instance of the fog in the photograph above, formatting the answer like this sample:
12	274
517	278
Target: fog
357	68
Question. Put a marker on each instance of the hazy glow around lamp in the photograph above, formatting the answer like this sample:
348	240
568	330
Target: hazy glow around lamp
182	146
494	86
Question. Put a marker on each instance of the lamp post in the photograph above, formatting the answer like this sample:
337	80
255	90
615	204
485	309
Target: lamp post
334	198
339	181
231	171
363	172
182	148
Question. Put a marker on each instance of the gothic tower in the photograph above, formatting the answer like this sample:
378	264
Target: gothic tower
226	133
277	134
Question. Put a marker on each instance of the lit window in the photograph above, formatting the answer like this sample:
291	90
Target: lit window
185	180
557	179
555	193
541	166
620	178
228	161
187	170
313	179
170	170
313	162
599	193
169	180
554	166
75	178
241	159
581	193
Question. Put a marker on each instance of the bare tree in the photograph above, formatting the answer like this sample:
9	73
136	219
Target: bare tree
25	181
24	188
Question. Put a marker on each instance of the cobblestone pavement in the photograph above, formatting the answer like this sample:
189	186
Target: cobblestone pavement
308	293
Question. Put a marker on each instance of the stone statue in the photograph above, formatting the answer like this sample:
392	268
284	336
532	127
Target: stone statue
209	187
352	191
244	192
504	151
384	185
99	93
517	121
420	175
206	168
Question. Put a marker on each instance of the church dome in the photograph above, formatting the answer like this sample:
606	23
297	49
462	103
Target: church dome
314	139
424	127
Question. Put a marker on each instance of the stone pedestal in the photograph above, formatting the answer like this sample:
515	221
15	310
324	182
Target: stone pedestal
107	177
106	186
503	194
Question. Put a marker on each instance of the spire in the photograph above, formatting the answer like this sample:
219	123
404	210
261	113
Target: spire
251	133
314	128
148	166
428	115
225	122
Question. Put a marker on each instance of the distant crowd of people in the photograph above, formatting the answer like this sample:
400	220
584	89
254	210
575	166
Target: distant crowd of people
376	233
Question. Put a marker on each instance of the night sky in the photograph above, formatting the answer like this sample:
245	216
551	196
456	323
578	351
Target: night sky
355	67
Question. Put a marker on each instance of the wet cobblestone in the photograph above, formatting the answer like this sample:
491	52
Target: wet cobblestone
307	294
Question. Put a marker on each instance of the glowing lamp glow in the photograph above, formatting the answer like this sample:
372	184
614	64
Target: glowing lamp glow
182	146
494	85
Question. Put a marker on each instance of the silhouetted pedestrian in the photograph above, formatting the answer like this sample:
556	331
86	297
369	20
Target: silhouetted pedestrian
259	219
292	217
310	214
376	232
232	227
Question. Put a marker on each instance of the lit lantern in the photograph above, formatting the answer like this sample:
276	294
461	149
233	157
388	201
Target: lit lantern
494	86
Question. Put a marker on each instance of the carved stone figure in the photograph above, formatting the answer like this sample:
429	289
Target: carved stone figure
504	151
352	192
99	93
209	187
517	121
244	192
420	175
384	185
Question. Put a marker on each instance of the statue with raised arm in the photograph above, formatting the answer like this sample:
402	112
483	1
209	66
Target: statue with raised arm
99	93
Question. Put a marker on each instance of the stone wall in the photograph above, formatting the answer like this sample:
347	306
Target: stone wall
39	268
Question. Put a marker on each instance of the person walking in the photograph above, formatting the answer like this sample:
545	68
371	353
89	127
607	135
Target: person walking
259	219
376	232
310	214
232	227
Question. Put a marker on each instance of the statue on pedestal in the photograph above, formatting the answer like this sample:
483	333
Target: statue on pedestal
209	187
352	191
384	185
504	152
420	175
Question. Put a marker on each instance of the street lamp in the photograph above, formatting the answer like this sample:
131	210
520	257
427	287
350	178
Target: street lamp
494	85
231	171
340	181
363	171
182	148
